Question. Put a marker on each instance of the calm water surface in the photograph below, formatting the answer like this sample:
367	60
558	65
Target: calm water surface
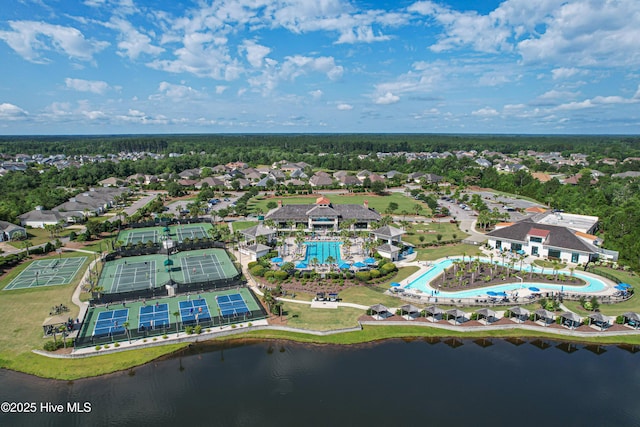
454	383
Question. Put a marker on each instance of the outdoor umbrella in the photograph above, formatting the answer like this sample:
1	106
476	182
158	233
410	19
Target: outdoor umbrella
394	284
491	294
621	288
624	285
501	294
359	265
168	262
344	266
276	259
534	289
370	261
301	265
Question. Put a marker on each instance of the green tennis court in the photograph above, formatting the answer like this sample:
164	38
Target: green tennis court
47	272
157	234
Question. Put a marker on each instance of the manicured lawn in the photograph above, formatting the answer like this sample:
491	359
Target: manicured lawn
22	312
370	295
547	264
37	236
430	231
321	319
242	225
379	203
431	254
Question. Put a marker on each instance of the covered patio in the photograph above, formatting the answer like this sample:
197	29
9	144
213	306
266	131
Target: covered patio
570	320
599	320
409	312
458	315
486	316
519	314
631	319
379	312
434	312
545	316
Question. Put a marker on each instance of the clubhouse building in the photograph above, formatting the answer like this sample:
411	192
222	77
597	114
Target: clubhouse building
545	241
323	216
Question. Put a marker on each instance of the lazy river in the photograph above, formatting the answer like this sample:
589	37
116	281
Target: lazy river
423	282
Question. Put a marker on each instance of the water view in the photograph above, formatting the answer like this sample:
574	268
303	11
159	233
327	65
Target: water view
437	382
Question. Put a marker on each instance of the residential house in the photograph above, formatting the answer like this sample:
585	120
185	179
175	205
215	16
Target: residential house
40	217
9	231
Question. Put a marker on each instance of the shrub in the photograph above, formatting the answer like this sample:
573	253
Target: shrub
252	264
50	346
374	273
281	275
619	320
258	270
233	326
388	268
268	274
117	344
164	337
188	330
363	276
98	348
198	329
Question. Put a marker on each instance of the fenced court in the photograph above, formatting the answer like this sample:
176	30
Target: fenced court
157	234
153	316
150	272
133	276
142	236
194	312
232	305
191	232
111	323
210	265
47	272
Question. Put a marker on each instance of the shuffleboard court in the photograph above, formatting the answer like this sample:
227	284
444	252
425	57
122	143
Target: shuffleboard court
133	276
153	316
111	322
47	272
194	311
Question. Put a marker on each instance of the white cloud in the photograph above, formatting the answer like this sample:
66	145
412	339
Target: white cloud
11	112
316	94
563	72
344	107
220	89
486	112
132	42
255	53
30	38
93	86
387	98
176	92
582	32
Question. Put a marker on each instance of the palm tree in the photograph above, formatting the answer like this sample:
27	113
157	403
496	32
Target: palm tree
417	208
176	314
126	328
27	244
330	260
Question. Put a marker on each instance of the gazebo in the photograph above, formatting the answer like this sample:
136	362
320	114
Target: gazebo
379	312
434	311
545	315
487	314
411	311
520	314
456	314
571	320
599	319
632	319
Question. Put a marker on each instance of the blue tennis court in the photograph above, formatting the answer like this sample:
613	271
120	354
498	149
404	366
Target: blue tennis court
153	316
194	311
232	305
111	322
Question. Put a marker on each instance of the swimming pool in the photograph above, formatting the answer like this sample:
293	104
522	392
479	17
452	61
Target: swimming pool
321	251
422	283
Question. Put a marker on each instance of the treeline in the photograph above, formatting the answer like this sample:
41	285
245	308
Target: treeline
301	144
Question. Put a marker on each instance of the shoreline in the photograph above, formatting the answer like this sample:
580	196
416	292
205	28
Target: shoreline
365	332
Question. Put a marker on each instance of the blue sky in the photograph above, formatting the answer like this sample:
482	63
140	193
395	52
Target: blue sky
451	66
